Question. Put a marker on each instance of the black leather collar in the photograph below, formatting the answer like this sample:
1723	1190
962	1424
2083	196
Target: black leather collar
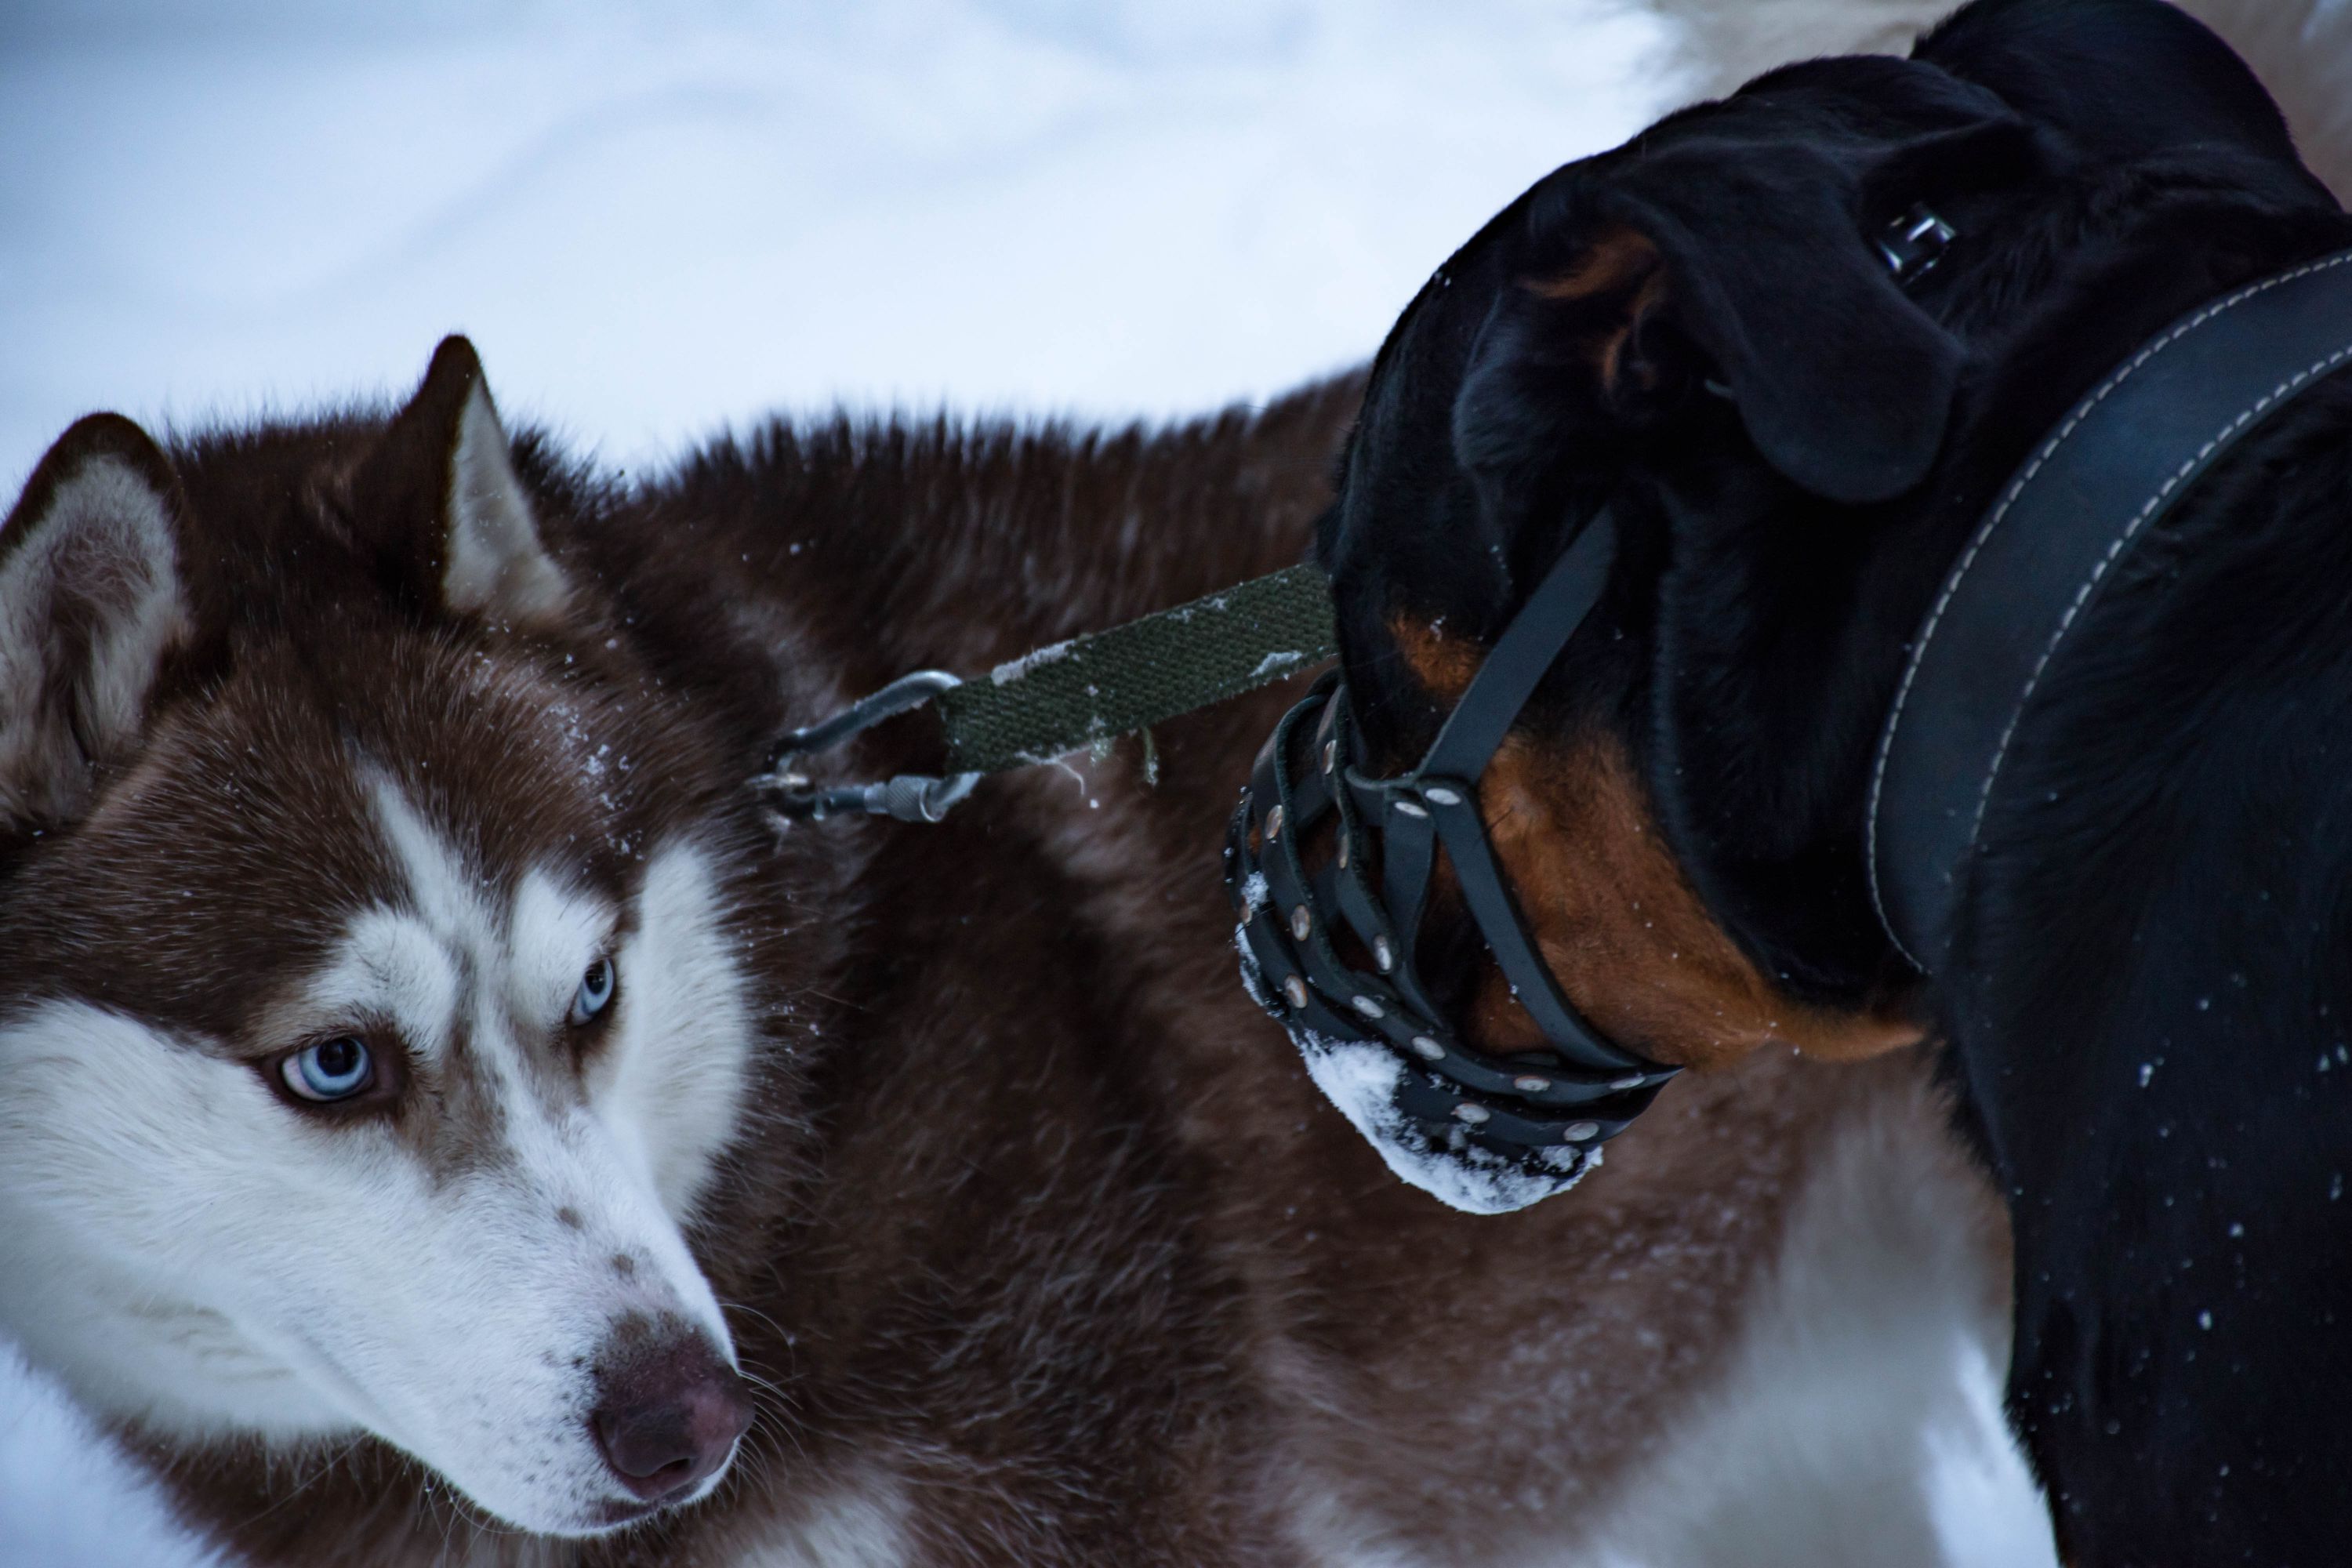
2117	464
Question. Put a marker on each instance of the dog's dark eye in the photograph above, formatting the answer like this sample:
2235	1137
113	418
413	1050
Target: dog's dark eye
330	1071
595	991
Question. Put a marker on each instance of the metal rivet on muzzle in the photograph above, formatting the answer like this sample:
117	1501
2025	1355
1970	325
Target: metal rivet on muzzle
1295	989
1273	824
1622	1084
1343	853
1531	1084
1427	1050
1302	924
1383	954
1581	1131
1331	755
1368	1007
1475	1114
1438	794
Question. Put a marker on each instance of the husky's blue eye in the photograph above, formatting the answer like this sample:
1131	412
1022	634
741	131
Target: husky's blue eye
595	991
330	1069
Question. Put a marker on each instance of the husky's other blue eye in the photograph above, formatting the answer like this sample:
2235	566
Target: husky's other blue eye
595	991
330	1069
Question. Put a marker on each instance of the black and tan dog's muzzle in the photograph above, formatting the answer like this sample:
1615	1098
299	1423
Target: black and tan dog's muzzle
1545	1113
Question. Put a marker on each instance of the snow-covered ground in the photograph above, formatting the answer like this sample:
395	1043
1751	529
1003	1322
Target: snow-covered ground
657	220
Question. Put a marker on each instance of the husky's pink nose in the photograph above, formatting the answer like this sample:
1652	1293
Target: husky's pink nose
668	1415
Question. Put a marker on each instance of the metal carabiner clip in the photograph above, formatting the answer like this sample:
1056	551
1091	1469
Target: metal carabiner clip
909	797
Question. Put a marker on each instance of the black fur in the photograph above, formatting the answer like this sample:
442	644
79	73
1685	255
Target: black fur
2154	971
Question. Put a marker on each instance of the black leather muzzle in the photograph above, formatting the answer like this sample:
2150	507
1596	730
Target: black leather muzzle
1482	1132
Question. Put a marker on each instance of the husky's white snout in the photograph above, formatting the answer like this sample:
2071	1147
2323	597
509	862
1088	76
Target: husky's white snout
565	1364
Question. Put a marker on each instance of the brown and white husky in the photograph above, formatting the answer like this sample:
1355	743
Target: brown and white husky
442	1120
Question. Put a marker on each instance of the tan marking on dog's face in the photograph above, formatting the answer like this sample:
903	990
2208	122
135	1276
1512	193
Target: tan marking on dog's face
1444	666
1620	926
1621	276
1615	919
1615	259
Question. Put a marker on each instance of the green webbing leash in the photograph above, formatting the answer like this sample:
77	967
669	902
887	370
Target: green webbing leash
1095	689
1073	696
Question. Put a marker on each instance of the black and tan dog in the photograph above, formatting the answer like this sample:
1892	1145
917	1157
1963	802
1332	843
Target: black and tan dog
2153	955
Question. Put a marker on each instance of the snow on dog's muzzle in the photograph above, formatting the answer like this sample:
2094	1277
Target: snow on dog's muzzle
1482	1133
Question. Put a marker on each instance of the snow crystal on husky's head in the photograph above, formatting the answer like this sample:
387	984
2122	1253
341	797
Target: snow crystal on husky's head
1362	1080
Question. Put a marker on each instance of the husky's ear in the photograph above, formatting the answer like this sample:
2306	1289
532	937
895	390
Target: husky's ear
446	508
94	597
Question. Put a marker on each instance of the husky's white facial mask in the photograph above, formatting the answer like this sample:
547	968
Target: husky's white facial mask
370	1032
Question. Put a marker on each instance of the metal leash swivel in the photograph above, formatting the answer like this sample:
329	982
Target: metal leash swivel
909	797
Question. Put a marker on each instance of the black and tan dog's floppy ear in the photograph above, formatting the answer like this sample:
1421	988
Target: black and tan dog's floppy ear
441	501
94	598
1740	265
1843	384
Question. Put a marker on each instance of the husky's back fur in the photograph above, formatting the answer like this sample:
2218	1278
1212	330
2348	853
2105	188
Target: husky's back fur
2302	49
959	1144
